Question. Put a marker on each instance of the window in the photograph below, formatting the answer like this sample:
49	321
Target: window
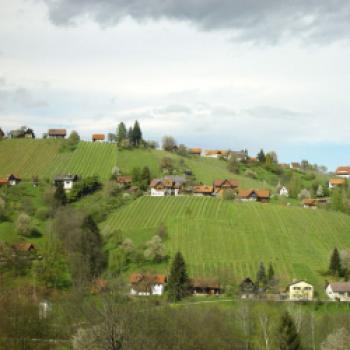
296	288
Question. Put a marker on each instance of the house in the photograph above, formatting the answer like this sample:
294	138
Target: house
239	156
254	195
170	185
57	133
2	134
205	286
310	203
147	284
11	180
337	182
300	291
4	181
124	180
215	153
195	151
343	171
221	185
24	247
295	166
284	191
29	134
98	137
67	181
284	165
338	291
202	190
247	289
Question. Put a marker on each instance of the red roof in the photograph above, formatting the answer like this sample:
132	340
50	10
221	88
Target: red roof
124	179
343	170
337	182
24	246
98	137
202	189
137	277
3	181
195	150
226	183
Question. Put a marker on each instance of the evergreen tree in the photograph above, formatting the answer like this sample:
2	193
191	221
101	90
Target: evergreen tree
261	156
271	273
261	278
136	175
145	178
335	267
130	136
136	134
178	282
60	194
289	338
121	133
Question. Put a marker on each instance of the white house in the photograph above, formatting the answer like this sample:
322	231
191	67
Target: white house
13	180
216	153
336	182
300	291
146	284
67	181
343	171
170	185
284	191
338	291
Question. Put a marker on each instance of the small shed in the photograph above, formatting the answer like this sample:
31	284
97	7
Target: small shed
57	133
205	286
98	137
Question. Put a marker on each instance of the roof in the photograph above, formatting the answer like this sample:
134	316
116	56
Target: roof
245	193
202	189
297	282
263	193
24	246
212	152
57	132
155	182
4	181
336	182
340	286
205	283
195	150
68	177
98	137
137	277
310	201
124	179
343	170
227	182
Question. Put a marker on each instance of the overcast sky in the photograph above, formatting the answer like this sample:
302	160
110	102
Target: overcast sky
212	73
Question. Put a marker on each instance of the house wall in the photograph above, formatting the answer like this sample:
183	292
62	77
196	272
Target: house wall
67	185
301	291
13	182
336	296
157	193
284	192
156	289
347	176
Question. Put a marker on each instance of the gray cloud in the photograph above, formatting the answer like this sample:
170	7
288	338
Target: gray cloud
251	20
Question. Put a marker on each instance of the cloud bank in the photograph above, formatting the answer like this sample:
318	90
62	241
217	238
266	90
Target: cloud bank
250	20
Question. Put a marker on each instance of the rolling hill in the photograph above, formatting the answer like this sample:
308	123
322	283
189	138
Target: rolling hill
218	236
26	158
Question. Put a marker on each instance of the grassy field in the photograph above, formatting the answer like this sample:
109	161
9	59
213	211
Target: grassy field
26	158
218	236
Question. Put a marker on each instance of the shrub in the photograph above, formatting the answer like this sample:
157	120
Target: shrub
250	173
42	213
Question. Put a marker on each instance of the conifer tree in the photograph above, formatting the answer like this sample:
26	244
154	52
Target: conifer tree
60	194
261	278
130	136
261	156
136	134
271	273
121	133
335	267
289	338
145	178
178	282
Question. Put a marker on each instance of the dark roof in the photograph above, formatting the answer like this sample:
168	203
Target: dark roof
205	283
69	177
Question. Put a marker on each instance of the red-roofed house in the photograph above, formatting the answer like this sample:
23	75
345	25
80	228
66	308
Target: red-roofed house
11	180
221	185
336	182
254	195
202	190
147	284
343	171
98	137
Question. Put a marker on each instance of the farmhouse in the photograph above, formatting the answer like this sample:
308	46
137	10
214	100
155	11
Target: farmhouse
337	182
284	191
11	180
124	180
57	133
195	151
201	286
67	181
254	195
300	291
98	137
338	291
310	203
215	153
202	190
295	166
221	185
247	289
170	185
29	134
240	156
343	171
147	284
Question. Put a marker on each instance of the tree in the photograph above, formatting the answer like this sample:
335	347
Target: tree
169	143
229	194
288	336
320	192
130	136
182	150
167	165
23	225
60	195
338	340
261	156
155	249
233	165
337	199
145	178
294	186
136	175
261	278
121	133
136	134
335	267
304	193
73	140
178	282
271	273
111	137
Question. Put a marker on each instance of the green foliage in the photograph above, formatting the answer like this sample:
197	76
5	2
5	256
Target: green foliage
71	143
289	338
335	267
24	225
155	250
169	144
261	278
136	137
233	166
121	133
178	282
84	187
60	195
229	195
294	186
261	156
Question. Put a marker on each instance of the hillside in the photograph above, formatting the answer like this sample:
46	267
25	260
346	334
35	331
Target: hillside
218	236
26	158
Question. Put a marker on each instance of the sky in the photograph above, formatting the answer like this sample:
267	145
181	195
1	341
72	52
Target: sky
212	73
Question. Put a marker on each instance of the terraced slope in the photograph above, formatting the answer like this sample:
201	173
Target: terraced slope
219	237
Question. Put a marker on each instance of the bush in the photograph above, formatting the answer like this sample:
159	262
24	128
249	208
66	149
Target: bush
228	195
250	173
42	213
23	225
84	187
